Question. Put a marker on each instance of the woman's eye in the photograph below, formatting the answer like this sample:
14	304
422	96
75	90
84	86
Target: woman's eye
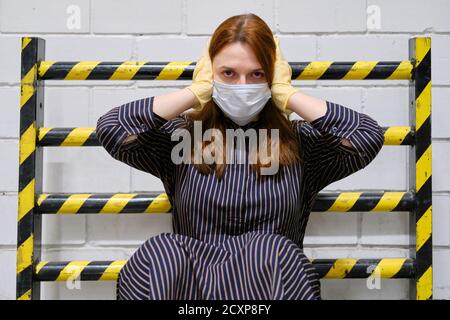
227	72
259	74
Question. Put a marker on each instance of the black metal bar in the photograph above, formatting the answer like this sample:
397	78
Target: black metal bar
382	70
94	203
326	268
57	137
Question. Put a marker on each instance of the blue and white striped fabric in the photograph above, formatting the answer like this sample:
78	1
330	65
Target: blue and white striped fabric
240	237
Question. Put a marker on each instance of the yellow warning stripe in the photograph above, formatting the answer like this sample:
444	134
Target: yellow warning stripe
396	135
26	199
160	204
423	45
389	267
360	70
117	202
42	132
40	265
403	71
27	86
389	201
25	42
112	272
44	66
423	106
341	268
314	70
74	203
73	138
81	70
424	228
127	70
172	70
423	168
27	143
25	296
41	198
425	285
25	254
73	270
345	201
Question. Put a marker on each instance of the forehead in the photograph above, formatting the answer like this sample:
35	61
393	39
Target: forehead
237	56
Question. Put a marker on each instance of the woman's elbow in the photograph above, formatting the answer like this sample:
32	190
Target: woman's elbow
374	134
378	137
109	137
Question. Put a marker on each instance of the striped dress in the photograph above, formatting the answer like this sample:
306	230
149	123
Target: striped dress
240	237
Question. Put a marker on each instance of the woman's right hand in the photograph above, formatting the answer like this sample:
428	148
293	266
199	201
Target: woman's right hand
202	80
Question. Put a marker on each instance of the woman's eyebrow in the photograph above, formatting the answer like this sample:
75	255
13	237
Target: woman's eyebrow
230	68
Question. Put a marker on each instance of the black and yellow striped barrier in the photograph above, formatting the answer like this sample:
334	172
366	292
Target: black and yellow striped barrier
87	137
33	136
30	168
176	70
420	175
86	270
121	203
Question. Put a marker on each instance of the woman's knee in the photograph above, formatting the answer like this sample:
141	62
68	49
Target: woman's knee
159	259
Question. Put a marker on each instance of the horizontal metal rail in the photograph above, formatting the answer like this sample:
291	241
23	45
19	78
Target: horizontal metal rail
158	202
87	137
85	270
176	70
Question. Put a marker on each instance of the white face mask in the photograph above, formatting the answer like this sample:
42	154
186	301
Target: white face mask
241	102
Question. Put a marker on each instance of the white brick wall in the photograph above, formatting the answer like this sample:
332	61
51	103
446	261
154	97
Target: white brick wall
138	17
177	30
321	16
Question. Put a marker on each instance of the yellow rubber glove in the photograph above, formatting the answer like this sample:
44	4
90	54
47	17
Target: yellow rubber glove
202	80
281	84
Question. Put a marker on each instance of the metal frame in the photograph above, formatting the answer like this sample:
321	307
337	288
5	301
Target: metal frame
30	168
33	136
420	176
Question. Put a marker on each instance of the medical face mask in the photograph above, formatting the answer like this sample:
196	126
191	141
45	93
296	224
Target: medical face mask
241	102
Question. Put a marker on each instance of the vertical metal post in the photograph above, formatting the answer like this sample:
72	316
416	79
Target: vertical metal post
30	168
420	155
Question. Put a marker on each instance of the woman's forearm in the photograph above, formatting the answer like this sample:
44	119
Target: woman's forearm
172	104
310	108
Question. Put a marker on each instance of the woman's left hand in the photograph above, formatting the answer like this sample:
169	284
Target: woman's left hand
281	87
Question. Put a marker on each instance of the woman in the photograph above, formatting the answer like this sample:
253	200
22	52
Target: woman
237	233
